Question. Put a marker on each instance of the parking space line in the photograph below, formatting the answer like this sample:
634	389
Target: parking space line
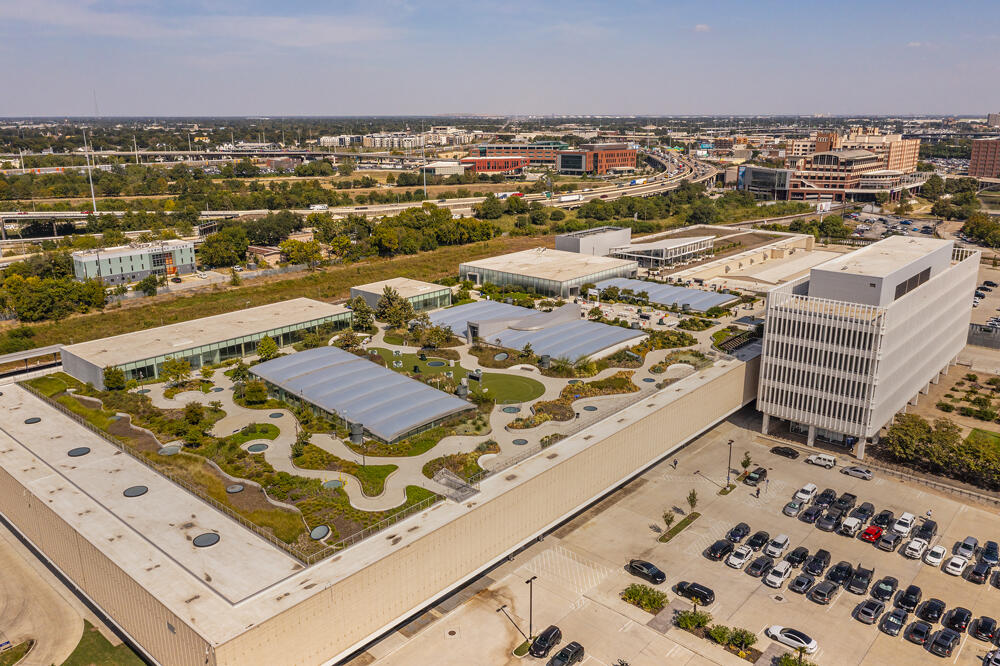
961	645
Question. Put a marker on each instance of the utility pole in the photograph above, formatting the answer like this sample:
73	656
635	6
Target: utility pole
90	172
423	156
730	465
531	603
135	148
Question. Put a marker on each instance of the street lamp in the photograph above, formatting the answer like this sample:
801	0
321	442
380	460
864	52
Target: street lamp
531	603
729	466
504	610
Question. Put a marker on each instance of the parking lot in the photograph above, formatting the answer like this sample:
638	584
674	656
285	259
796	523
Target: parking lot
580	571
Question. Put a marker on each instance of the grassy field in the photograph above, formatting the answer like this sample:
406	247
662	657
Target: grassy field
95	650
15	654
986	436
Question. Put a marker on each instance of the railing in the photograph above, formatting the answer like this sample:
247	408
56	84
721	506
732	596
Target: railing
911	475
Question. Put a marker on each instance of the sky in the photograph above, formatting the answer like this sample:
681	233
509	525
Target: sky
503	57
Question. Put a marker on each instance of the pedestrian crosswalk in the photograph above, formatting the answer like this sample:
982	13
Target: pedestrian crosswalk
569	569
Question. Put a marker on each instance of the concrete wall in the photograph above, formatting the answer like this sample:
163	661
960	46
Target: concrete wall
597	244
355	610
83	370
984	336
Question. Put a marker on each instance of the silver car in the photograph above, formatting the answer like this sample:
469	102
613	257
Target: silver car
858	472
793	508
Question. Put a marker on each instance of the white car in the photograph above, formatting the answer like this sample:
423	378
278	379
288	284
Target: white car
740	556
935	556
806	492
779	574
915	549
956	565
793	638
777	546
904	524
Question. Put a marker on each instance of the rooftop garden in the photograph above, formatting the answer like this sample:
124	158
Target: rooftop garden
561	409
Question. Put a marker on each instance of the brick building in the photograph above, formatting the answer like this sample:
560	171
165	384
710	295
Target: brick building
985	160
596	158
512	164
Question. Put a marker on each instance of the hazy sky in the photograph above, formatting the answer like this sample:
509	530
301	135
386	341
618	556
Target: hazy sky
341	57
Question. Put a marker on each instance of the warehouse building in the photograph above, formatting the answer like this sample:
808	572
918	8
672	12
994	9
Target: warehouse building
547	272
340	386
421	295
131	263
597	241
204	341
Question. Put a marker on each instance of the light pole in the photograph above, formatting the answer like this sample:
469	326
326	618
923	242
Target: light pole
503	609
729	466
531	603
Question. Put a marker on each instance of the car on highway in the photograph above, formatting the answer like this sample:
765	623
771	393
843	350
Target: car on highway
785	452
572	653
985	629
801	583
545	641
857	472
777	576
798	556
935	555
894	621
958	619
914	549
919	632
945	642
645	570
932	610
840	573
777	546
739	557
870	610
758	540
825	498
176	280
967	548
889	542
884	519
760	566
956	565
824	593
697	592
738	533
811	514
806	492
980	573
817	564
793	508
872	533
793	638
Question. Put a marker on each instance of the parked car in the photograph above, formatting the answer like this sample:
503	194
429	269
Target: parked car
738	533
826	498
869	611
990	553
958	619
811	514
915	548
932	610
793	638
696	591
885	588
756	477
927	531
818	563
894	621
793	508
806	492
944	643
822	460
720	549
903	524
849	527
872	533
797	556
801	583
176	280
777	546
545	641
985	629
884	519
992	658
845	502
840	573
739	557
824	593
830	520
777	576
646	570
968	548
785	452
980	573
889	542
935	555
956	565
760	566
910	598
857	472
860	580
572	653
758	540
919	633
864	512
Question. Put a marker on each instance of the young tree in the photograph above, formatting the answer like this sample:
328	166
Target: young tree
668	518
267	348
176	371
348	340
234	277
301	439
241	373
206	372
114	379
194	412
362	316
255	393
147	285
747	461
692	499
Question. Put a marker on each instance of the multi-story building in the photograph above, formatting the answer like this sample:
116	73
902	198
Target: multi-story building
395	140
596	158
131	263
495	164
540	153
993	120
340	141
985	159
817	142
896	153
851	344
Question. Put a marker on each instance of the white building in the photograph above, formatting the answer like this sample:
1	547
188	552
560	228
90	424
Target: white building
340	141
849	345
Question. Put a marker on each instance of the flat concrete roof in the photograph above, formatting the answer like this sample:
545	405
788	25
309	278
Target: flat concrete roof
405	287
175	338
135	248
665	243
548	264
884	257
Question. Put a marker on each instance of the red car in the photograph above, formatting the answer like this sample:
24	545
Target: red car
872	534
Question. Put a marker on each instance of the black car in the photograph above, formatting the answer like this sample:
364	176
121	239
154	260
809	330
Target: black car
927	531
845	502
720	549
758	540
841	573
932	610
919	633
785	452
944	642
811	514
825	498
817	564
889	542
860	580
991	553
864	512
985	629
884	519
644	569
697	592
760	567
801	583
831	520
571	654
176	280
738	533
545	641
980	573
756	477
823	593
893	623
797	556
885	588
958	619
910	598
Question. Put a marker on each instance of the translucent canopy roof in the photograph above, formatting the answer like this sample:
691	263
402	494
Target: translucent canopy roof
666	294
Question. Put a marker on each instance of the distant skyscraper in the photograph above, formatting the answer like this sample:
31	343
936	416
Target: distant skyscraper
993	120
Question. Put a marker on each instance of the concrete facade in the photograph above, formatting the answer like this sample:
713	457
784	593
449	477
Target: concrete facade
597	242
131	263
547	272
421	295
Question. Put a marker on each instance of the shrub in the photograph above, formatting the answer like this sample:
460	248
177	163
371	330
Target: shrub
966	411
789	659
742	638
693	619
645	597
720	634
971	377
945	406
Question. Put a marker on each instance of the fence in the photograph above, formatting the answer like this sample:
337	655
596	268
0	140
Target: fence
910	475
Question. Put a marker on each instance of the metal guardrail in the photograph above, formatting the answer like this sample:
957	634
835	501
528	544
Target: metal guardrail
909	475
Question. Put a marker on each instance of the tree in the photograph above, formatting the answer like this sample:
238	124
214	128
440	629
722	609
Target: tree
362	316
226	247
933	187
881	198
267	348
206	372
692	499
348	340
943	208
747	461
194	412
557	215
703	211
594	313
176	370
490	209
302	252
346	166
114	379
526	350
255	392
668	518
394	309
241	373
234	277
516	205
302	438
147	285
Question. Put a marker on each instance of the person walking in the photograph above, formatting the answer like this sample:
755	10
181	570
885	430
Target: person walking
928	514
675	463
758	493
767	484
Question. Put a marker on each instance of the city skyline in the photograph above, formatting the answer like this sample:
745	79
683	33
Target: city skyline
116	58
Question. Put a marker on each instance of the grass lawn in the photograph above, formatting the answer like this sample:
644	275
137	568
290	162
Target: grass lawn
95	650
15	654
371	477
49	385
254	431
986	436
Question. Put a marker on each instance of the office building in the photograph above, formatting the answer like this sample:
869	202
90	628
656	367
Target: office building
131	263
896	153
341	141
539	153
597	241
985	159
546	272
596	158
816	142
860	337
421	295
508	165
993	120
